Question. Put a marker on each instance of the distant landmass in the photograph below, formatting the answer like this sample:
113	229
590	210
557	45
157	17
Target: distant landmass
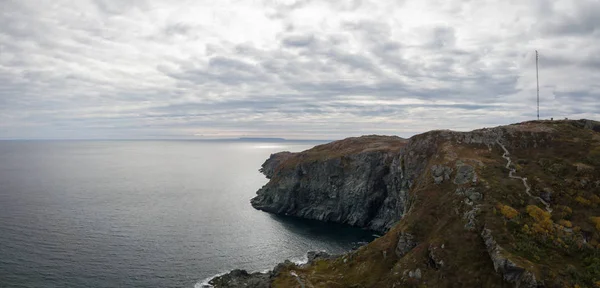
259	139
264	139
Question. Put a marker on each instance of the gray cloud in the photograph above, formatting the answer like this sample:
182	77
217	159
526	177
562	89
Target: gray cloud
299	69
298	40
579	19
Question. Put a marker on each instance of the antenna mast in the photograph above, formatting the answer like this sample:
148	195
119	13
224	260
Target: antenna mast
537	78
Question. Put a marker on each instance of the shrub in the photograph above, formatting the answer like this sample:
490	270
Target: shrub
508	211
583	201
537	213
543	224
596	222
565	223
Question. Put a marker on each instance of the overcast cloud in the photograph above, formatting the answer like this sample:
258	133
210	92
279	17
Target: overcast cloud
296	69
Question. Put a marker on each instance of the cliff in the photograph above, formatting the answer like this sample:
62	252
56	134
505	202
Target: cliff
510	206
357	181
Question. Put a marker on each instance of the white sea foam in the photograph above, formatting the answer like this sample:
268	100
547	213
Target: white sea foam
204	282
300	260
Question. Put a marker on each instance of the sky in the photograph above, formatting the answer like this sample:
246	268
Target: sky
299	69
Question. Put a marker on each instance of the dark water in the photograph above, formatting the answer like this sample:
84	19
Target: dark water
143	214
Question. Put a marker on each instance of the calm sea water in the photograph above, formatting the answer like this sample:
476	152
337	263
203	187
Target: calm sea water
143	214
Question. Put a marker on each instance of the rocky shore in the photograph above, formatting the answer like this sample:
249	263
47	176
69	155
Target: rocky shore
241	278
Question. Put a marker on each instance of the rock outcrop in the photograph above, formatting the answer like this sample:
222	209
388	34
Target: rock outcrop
512	272
241	278
364	186
406	242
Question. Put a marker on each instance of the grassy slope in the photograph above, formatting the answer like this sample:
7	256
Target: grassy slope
348	146
559	257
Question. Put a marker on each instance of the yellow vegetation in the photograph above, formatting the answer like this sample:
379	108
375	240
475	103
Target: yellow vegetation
595	199
583	201
508	211
542	218
565	223
537	213
596	221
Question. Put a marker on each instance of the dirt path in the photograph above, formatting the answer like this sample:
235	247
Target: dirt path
511	174
298	278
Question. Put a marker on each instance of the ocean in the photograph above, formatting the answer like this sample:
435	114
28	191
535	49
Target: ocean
144	214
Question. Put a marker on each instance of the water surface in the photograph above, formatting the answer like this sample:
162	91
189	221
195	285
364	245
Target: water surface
143	213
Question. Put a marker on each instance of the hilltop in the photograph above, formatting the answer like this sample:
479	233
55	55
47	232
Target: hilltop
509	206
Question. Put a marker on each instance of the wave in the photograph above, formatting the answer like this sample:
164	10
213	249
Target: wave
204	282
300	260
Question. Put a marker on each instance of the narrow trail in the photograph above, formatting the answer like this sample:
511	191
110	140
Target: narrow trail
298	278
511	174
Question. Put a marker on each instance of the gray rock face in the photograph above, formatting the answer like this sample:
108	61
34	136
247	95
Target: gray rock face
511	272
366	190
440	173
589	124
241	278
470	216
313	256
415	274
268	168
464	174
547	194
406	242
470	193
435	259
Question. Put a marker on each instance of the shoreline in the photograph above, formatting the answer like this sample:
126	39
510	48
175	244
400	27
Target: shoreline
237	277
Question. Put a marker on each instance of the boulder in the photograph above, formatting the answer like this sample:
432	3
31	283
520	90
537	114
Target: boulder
406	242
464	174
510	271
440	173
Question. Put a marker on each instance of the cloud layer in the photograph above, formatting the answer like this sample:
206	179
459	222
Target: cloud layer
296	69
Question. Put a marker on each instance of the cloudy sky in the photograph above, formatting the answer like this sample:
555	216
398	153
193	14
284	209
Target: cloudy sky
91	69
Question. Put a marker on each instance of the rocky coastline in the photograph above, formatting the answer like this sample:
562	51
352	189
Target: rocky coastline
473	194
242	278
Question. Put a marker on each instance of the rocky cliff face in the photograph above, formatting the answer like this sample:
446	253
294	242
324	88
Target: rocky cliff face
357	181
510	206
363	181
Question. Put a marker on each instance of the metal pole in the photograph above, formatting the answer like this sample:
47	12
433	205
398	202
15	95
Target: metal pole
537	78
